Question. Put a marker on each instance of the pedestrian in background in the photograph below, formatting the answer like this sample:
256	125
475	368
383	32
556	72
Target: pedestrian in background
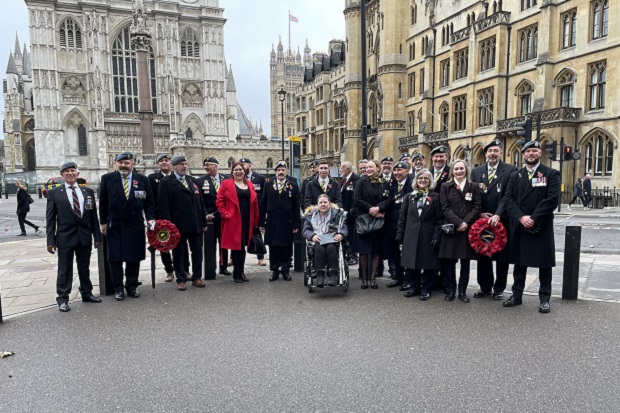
23	207
587	192
577	194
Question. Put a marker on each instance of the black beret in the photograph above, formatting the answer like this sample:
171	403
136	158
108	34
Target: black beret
314	163
530	144
212	159
404	156
387	159
439	149
418	155
245	160
162	156
281	164
67	165
401	164
124	156
494	142
178	159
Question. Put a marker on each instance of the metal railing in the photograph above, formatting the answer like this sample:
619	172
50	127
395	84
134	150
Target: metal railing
601	197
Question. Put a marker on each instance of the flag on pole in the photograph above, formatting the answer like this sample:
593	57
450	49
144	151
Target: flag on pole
293	18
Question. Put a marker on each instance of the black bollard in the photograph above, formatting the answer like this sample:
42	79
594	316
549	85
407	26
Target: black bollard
105	279
572	253
1	309
209	256
40	192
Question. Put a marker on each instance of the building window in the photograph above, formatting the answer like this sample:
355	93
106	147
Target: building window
599	152
460	113
70	35
598	78
410	124
125	75
421	81
566	86
600	18
411	87
525	92
569	29
528	43
190	47
485	107
487	54
82	143
444	116
445	72
516	158
414	15
269	163
460	63
526	4
420	120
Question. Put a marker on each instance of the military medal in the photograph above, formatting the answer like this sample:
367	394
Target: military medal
468	196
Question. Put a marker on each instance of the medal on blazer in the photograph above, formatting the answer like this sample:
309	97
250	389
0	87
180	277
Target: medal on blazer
468	196
205	187
88	203
483	187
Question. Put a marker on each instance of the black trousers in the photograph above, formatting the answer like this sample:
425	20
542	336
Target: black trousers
484	273
64	279
132	271
180	256
238	259
544	277
166	259
21	218
421	280
280	258
222	254
394	260
326	255
583	200
449	269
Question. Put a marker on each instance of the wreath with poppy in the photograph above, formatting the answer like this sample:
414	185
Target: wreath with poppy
164	237
486	239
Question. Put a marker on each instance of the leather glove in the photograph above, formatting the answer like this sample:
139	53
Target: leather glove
399	240
435	244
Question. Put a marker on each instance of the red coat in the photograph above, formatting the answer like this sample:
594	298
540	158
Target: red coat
228	206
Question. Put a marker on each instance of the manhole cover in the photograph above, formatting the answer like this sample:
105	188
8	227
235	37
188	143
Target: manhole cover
33	268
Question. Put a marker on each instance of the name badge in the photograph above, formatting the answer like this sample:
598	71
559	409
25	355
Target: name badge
468	196
89	203
139	194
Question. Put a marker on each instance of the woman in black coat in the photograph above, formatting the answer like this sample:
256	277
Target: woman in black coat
23	207
371	196
419	232
461	203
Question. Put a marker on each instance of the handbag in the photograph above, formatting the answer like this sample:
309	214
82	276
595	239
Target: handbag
257	245
366	223
448	229
30	200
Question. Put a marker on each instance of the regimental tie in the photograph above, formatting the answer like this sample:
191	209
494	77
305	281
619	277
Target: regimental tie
126	186
437	175
323	186
400	186
491	174
184	182
215	185
530	174
280	187
76	202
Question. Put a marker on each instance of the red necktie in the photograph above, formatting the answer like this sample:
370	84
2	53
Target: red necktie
76	203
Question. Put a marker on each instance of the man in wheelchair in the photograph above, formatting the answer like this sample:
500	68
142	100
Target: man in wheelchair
324	228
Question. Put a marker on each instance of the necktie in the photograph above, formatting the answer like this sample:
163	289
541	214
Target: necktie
76	202
400	186
491	174
323	185
437	175
184	182
530	174
125	186
280	187
215	184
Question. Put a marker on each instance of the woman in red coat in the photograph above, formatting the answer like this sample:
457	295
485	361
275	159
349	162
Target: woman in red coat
237	204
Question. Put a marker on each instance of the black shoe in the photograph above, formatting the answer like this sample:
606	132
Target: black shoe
37	230
23	234
542	308
352	261
334	274
64	307
133	293
424	296
90	299
120	296
274	276
364	285
393	276
320	278
286	276
412	293
244	278
512	302
404	287
238	280
498	296
449	297
395	283
464	298
224	271
373	284
481	294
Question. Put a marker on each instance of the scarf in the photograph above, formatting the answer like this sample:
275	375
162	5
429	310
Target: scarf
320	224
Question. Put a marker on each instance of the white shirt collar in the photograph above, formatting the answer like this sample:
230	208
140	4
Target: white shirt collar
462	183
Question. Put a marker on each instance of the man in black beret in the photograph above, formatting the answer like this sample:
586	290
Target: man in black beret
492	177
72	225
258	181
180	202
531	198
418	162
440	169
386	168
125	198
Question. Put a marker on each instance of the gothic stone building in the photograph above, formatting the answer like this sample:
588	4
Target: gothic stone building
79	88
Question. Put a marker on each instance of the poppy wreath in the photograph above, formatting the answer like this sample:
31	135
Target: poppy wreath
486	239
164	237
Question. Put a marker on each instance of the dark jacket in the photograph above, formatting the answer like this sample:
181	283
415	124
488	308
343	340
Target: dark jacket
279	213
445	177
182	206
313	190
154	181
417	231
368	194
578	189
392	212
346	188
304	184
23	201
209	195
63	227
334	223
126	231
259	183
523	198
457	207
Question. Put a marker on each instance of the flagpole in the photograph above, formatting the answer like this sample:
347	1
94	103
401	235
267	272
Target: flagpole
289	30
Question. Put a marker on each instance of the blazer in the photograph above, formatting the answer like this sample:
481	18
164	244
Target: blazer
230	213
457	207
493	192
445	177
182	206
63	227
347	189
313	190
259	183
154	179
279	213
209	195
368	195
396	200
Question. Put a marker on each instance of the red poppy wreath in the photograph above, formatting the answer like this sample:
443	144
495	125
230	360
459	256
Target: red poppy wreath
486	239
165	236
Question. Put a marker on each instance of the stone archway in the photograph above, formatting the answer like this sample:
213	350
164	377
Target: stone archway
30	155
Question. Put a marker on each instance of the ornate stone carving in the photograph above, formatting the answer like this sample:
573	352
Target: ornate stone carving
73	90
192	96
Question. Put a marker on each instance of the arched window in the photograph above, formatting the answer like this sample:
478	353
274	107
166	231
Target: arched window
444	116
231	160
600	19
569	29
486	99
410	124
599	154
460	113
372	109
82	141
269	163
190	47
525	93
528	46
189	134
598	85
516	158
125	75
566	86
420	120
70	35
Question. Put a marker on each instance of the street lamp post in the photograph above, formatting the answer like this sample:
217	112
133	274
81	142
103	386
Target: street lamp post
282	98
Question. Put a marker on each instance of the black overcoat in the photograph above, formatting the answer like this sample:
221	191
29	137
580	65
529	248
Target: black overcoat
347	188
457	207
445	177
492	194
126	229
182	206
522	198
313	190
23	201
154	179
259	183
392	212
417	231
63	227
209	195
279	213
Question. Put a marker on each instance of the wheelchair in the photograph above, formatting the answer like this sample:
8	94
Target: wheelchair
310	270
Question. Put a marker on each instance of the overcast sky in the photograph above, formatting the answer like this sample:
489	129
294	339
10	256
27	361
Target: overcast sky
251	28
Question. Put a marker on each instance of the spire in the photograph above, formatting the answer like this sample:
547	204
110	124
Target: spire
11	68
307	48
230	86
27	62
18	51
280	47
273	52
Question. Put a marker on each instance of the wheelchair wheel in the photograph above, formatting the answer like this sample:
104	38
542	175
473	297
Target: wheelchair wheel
305	278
